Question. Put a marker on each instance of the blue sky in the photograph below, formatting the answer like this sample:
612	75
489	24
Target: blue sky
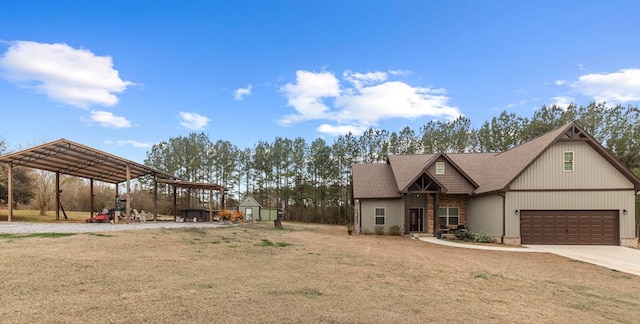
122	75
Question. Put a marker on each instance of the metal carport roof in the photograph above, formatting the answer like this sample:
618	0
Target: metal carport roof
67	157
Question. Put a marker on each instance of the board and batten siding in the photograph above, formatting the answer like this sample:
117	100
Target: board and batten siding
571	200
394	213
484	214
453	180
591	170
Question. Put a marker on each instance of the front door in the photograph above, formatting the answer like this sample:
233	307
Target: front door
416	220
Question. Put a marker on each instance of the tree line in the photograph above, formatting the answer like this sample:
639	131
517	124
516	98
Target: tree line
311	181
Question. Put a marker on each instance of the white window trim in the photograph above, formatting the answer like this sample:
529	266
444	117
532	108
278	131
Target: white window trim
439	163
376	216
447	217
573	161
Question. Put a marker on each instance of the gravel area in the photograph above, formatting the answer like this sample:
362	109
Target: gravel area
25	227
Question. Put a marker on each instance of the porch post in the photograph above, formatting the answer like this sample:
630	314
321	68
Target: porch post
436	211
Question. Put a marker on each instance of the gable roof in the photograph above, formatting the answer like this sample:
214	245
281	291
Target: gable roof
503	168
78	160
489	172
406	168
250	200
374	181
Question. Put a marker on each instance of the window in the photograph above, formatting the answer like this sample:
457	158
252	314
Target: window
449	216
568	161
380	213
439	167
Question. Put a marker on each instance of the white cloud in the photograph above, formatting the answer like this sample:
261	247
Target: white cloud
363	102
193	121
242	92
560	82
133	143
108	119
562	101
361	79
337	130
75	77
619	87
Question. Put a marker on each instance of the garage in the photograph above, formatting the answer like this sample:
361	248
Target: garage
569	227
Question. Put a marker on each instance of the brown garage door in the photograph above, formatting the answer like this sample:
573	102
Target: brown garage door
596	227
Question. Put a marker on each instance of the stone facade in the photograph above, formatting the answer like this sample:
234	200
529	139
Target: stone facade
459	201
630	242
512	241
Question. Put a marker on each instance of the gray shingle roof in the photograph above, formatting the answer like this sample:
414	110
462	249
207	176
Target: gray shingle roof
491	171
407	167
374	181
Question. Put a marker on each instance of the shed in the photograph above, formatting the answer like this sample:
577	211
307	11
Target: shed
253	209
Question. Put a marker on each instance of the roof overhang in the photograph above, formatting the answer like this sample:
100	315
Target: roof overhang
193	185
70	158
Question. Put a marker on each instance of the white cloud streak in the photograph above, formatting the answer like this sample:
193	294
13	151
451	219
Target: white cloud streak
562	101
361	100
133	143
240	93
616	87
193	121
76	77
108	119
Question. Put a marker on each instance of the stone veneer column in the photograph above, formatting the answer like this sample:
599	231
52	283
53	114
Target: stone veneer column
630	242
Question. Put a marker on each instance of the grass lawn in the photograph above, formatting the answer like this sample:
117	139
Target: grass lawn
304	273
21	215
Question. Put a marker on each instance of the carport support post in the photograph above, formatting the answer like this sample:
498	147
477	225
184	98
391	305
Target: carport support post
221	198
175	203
91	195
155	197
210	205
57	195
128	190
10	191
115	212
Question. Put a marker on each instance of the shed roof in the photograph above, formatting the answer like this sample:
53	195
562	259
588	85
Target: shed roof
78	160
193	185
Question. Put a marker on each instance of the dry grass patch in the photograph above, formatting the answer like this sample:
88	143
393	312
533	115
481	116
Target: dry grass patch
305	273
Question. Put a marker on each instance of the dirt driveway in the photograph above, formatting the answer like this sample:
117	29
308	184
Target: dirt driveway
613	257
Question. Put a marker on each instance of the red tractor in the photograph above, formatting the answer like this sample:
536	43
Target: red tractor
103	217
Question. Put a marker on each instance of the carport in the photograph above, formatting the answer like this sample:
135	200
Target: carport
70	158
210	187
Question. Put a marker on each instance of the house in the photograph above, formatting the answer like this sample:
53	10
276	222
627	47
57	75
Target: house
560	188
253	210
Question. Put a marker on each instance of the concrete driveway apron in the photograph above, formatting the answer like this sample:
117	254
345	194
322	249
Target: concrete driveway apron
612	257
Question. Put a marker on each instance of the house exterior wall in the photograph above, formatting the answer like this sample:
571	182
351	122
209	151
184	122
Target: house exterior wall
356	215
591	170
394	213
484	214
571	200
453	180
594	184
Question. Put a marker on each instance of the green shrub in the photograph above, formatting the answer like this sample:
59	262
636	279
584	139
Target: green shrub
394	230
482	237
379	230
464	235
